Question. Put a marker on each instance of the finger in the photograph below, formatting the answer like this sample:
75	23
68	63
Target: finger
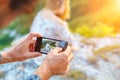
34	42
31	47
31	35
71	57
67	51
68	68
34	54
56	50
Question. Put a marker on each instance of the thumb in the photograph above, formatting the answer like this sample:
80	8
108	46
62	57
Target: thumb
57	50
34	54
31	35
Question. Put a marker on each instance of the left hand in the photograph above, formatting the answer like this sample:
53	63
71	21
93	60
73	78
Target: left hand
24	49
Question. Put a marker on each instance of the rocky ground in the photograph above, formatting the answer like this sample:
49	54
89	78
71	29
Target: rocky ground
99	60
96	59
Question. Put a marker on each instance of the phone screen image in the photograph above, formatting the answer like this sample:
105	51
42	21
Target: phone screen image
45	45
48	45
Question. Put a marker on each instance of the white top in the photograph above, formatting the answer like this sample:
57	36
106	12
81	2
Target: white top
51	28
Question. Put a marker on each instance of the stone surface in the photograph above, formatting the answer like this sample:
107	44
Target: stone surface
94	67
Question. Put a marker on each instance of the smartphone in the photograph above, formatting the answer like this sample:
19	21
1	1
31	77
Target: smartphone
44	45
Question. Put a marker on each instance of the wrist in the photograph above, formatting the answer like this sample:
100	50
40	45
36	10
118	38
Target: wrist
43	72
5	58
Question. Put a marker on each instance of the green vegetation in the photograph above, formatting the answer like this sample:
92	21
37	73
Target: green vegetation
100	30
77	75
11	32
80	22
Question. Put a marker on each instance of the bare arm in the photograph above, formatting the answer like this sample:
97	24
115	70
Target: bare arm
22	51
56	63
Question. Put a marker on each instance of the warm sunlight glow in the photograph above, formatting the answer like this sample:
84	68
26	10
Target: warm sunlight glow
109	14
117	4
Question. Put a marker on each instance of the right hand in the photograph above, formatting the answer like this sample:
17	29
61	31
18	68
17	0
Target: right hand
56	63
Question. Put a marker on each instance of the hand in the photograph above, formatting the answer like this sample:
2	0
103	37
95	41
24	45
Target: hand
56	63
22	51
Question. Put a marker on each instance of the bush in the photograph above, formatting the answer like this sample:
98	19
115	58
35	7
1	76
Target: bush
11	32
99	30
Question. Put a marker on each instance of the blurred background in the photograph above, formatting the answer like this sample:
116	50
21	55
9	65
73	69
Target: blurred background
89	18
98	24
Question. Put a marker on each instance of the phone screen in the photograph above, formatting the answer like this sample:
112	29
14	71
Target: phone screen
45	45
48	45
